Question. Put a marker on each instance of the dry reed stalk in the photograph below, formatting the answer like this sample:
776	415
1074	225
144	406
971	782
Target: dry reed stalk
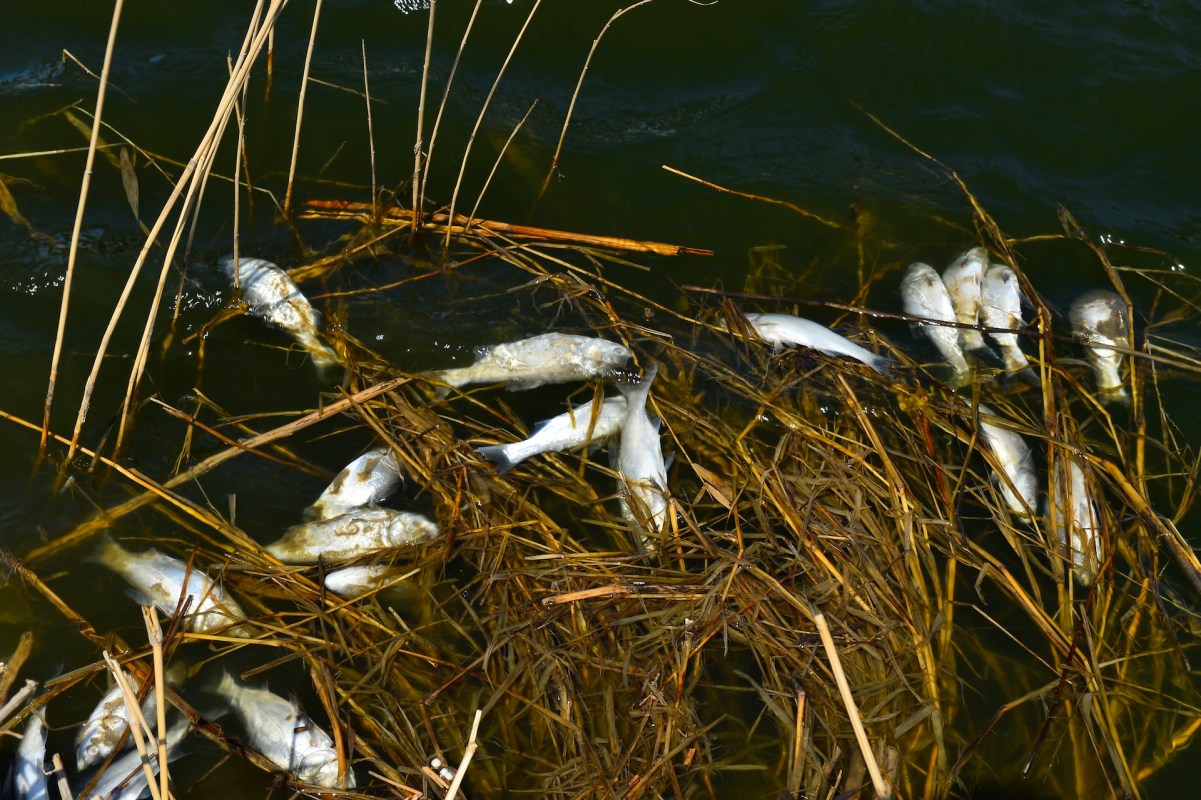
554	162
479	120
154	636
17	700
60	778
450	79
252	45
75	231
137	725
304	85
419	143
370	133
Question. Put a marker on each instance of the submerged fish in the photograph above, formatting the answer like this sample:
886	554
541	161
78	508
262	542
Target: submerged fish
1074	503
351	582
571	429
924	295
962	279
1001	307
1099	319
640	460
370	478
285	735
163	581
782	329
105	726
1016	462
274	297
125	779
27	779
549	358
359	532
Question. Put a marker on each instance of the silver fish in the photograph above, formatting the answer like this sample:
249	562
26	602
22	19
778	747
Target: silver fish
1001	307
549	358
360	532
105	726
1074	503
962	279
924	295
571	429
370	478
162	581
782	329
27	780
274	297
124	778
351	582
285	735
1016	463
1099	320
640	460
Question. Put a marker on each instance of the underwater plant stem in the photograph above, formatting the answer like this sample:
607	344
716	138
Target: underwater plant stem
75	231
370	132
496	164
419	145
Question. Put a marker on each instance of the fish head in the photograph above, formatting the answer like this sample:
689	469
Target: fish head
319	767
605	354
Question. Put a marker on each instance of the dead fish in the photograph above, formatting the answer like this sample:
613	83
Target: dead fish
1016	463
1001	307
27	779
359	532
370	478
1099	320
924	295
352	582
125	779
274	297
1075	505
962	279
640	460
549	358
163	581
105	726
285	735
782	329
571	429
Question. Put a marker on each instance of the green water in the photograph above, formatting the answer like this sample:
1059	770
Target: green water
1093	108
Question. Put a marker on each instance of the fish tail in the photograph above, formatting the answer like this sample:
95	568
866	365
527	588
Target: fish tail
881	364
1027	376
636	393
498	455
972	340
322	354
108	552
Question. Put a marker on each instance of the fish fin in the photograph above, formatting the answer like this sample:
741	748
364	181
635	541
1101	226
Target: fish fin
667	462
522	385
1026	376
915	330
985	355
540	425
881	364
108	552
141	599
497	455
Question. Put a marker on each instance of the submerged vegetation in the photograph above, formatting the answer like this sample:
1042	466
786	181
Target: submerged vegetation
842	600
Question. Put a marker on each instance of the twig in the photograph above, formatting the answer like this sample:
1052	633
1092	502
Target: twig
60	775
479	120
468	752
17	699
370	132
760	198
134	711
304	84
83	201
154	635
8	675
865	748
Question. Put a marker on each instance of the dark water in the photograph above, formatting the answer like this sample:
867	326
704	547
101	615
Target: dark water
1092	107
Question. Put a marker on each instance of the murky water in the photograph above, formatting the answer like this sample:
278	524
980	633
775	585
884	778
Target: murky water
1035	105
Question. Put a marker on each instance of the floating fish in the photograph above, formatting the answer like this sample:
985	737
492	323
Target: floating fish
105	726
1099	319
1016	462
274	297
125	779
285	735
370	478
27	780
163	581
962	279
360	532
351	582
1075	503
571	429
1001	307
640	460
924	295
549	358
782	329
